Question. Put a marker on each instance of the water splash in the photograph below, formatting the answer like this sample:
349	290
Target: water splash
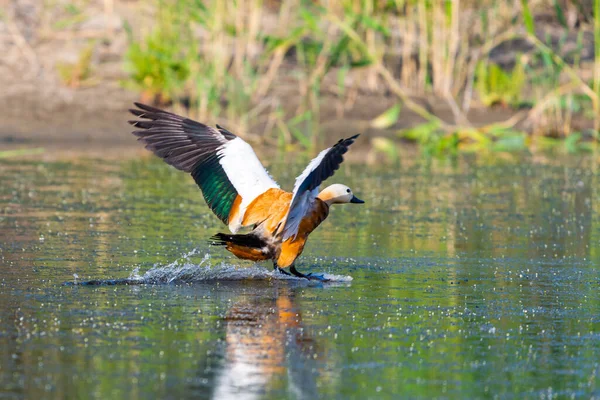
183	270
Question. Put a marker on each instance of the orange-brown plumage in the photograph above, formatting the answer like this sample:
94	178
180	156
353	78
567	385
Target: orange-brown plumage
267	215
269	209
293	246
247	253
235	208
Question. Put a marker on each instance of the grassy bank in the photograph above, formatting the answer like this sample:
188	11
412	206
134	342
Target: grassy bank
226	60
436	73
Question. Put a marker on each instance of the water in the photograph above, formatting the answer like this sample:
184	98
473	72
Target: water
469	280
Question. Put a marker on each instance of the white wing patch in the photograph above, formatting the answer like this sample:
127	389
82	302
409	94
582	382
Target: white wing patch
246	173
301	202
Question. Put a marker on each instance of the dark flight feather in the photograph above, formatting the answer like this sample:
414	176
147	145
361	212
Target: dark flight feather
191	147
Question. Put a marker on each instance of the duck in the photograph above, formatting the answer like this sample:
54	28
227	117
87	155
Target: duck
239	190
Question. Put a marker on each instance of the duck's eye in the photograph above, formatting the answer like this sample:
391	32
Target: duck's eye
347	190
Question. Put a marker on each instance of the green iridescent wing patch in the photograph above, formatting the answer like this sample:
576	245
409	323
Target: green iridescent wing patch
218	191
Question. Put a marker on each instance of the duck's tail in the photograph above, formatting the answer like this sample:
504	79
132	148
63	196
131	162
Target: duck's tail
247	247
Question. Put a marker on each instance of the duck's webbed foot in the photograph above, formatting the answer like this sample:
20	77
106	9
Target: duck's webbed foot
280	270
310	277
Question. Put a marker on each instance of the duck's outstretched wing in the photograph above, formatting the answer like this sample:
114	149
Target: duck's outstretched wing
223	165
307	184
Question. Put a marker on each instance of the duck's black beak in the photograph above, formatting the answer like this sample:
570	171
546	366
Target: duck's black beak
356	200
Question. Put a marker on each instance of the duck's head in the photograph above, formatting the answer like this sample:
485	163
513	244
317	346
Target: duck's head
338	194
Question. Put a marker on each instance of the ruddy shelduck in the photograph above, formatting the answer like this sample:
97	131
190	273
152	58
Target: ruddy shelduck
238	189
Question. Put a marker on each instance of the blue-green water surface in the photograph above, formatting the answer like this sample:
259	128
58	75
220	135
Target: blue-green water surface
468	280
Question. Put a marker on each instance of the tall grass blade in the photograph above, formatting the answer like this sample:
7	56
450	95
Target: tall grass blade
560	15
528	18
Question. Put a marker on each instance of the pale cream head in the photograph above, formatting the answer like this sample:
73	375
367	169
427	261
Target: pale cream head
338	194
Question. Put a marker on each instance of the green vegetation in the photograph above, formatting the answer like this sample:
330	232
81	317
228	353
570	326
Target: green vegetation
497	86
272	66
78	73
20	152
157	69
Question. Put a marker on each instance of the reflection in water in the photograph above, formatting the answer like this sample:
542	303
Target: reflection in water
266	349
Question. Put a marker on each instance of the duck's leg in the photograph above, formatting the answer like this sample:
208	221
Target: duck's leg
281	271
310	277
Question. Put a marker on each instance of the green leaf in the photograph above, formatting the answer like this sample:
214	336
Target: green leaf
586	146
499	131
273	42
198	12
72	9
548	142
495	85
338	51
361	63
300	137
569	103
420	133
448	143
559	14
547	59
309	19
293	126
528	18
387	118
572	142
476	136
510	143
305	116
375	25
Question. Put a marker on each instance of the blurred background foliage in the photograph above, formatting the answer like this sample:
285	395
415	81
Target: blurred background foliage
449	75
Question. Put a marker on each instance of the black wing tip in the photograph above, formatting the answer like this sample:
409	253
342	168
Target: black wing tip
159	116
351	139
348	141
136	112
145	107
228	134
141	109
149	112
331	162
